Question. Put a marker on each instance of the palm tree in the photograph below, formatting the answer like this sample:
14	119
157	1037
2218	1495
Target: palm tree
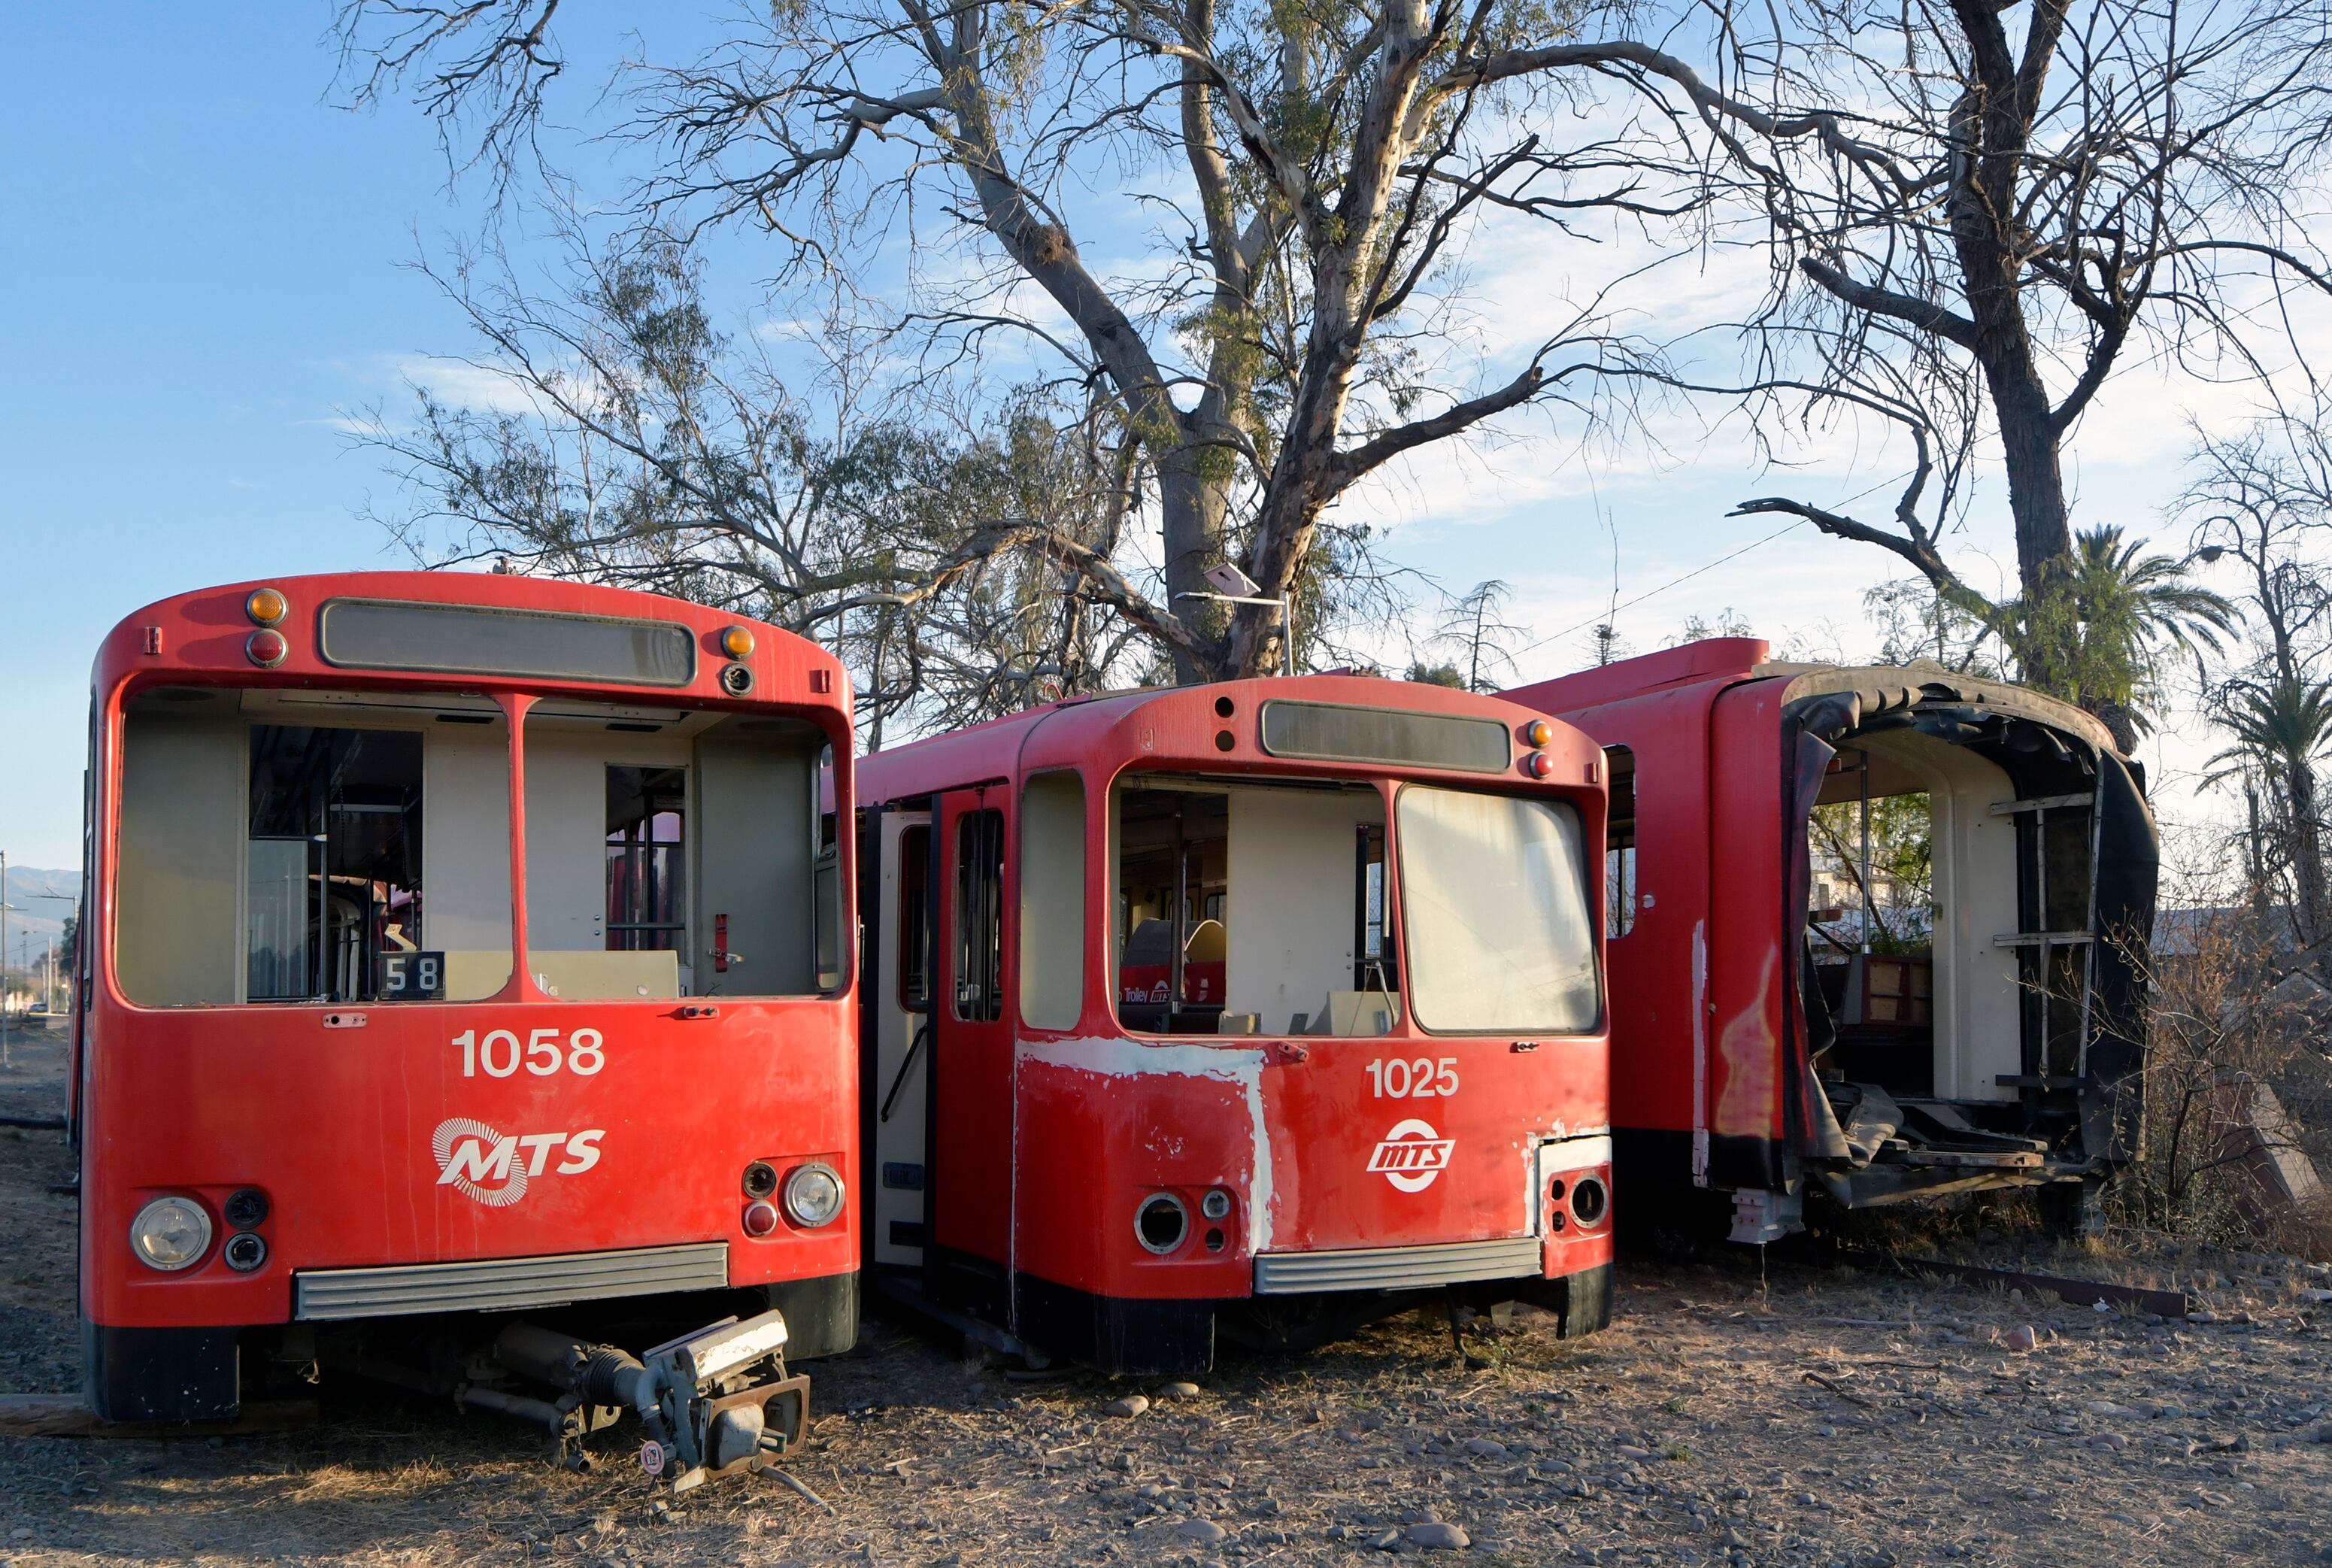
2104	633
2282	729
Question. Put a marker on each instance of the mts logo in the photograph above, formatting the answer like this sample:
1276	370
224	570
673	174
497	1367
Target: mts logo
492	1168
1412	1155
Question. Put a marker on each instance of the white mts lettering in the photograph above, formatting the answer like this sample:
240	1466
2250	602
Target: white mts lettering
542	1143
471	1161
582	1151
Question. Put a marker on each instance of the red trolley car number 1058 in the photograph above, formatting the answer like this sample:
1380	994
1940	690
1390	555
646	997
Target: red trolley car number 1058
501	1053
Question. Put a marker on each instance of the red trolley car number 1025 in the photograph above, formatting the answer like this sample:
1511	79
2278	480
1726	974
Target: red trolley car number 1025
501	1053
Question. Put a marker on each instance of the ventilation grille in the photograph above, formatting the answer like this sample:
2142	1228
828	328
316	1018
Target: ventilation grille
494	1284
1397	1268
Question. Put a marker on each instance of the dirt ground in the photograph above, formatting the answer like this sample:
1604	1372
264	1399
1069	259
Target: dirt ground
1738	1411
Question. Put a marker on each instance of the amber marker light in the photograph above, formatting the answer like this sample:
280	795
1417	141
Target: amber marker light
737	641
266	648
265	606
1538	732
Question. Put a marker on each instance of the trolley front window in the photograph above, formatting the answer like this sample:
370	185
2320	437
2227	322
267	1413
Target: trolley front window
1245	909
312	846
1494	895
673	853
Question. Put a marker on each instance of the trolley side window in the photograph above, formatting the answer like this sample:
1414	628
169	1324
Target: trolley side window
979	916
1494	897
1619	894
672	853
1053	901
1252	909
915	919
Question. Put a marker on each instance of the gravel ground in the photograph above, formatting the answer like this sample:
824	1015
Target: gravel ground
1790	1413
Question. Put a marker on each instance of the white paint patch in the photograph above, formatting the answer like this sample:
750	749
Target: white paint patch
1116	1057
1700	1053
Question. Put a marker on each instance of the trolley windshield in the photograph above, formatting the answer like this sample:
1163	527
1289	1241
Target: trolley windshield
329	846
1264	907
1494	895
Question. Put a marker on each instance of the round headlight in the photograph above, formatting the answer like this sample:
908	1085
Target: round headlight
813	1195
170	1234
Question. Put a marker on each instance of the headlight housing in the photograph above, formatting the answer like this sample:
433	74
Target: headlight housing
813	1195
170	1234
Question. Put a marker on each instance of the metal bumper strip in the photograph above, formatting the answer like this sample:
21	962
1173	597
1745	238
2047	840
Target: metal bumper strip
490	1285
1397	1268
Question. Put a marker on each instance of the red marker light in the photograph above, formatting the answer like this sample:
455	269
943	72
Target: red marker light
760	1218
266	648
1538	765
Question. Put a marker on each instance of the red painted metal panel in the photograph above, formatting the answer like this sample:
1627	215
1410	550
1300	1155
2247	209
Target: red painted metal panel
970	1179
1747	974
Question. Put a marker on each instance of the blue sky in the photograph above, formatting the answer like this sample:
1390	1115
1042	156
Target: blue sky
207	264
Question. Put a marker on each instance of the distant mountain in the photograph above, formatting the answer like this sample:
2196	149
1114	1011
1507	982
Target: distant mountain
38	902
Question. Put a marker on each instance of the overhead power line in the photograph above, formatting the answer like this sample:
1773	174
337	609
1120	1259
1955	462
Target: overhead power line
1650	593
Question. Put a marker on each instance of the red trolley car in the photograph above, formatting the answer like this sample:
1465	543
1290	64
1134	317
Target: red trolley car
458	945
1281	995
1765	1038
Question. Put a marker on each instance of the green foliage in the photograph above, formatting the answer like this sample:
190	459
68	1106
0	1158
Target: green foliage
1902	864
2101	634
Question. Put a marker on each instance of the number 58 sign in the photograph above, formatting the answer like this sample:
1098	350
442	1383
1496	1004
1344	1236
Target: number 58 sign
410	976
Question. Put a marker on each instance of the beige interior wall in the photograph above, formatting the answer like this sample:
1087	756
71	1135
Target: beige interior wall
1052	901
1977	997
754	840
465	885
178	907
1290	911
567	827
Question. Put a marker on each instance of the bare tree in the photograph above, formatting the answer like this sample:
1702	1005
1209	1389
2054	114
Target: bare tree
1475	630
1312	174
1977	211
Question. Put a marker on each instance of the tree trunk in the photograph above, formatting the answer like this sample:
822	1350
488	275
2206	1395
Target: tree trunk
2307	863
1191	499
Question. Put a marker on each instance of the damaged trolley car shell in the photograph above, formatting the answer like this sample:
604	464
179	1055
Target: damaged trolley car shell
1756	1048
1275	1002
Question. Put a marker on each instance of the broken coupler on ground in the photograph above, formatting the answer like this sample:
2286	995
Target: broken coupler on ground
713	1401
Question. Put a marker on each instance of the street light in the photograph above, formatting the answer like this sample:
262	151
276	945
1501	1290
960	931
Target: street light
1238	588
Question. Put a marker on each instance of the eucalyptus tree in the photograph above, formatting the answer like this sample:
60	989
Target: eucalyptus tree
1240	222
